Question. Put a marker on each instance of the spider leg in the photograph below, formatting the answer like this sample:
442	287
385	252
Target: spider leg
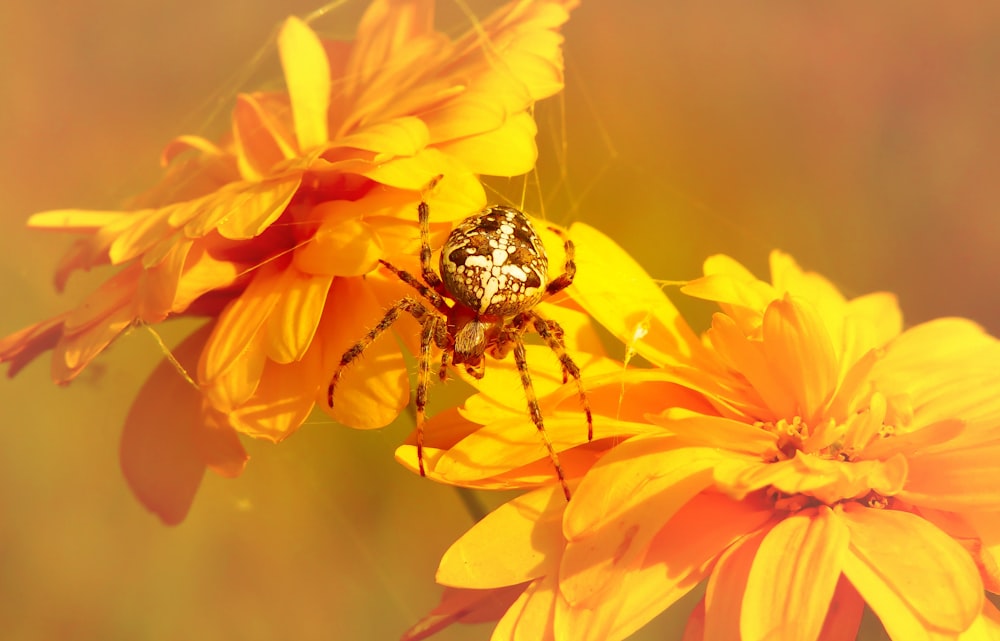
430	276
409	305
536	411
565	279
424	290
552	333
431	330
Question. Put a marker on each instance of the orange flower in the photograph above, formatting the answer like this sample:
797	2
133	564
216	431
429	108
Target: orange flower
836	461
274	232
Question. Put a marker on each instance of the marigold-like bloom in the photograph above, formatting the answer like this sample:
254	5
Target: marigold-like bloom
269	231
812	458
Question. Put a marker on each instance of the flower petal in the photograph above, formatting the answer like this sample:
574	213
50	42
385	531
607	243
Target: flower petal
344	245
168	441
260	143
292	322
519	541
677	560
817	543
464	606
610	525
621	296
375	387
918	580
963	476
307	76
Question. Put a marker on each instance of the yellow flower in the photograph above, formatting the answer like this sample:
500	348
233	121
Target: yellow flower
835	461
274	232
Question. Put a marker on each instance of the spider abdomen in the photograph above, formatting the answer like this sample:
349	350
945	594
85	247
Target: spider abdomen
494	263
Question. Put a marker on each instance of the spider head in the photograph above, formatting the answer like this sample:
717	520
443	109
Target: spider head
470	346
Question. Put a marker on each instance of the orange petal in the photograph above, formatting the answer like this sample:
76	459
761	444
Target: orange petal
775	588
620	505
639	469
260	142
986	627
292	323
962	477
307	76
844	616
727	588
344	244
622	297
517	542
677	560
917	580
240	210
24	346
376	386
166	442
464	606
282	399
239	324
800	353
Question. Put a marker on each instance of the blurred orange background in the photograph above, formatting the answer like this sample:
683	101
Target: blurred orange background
862	139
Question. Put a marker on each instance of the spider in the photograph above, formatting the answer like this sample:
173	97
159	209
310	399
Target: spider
494	271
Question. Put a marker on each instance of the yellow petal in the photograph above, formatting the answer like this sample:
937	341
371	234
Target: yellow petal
919	581
307	76
531	616
405	136
517	542
775	588
509	150
634	471
510	444
622	297
76	220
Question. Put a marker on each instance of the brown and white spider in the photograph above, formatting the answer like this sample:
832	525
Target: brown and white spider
494	271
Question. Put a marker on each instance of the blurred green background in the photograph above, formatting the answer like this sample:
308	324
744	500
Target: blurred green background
862	139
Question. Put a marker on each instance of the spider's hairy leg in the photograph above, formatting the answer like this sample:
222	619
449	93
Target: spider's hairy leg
433	330
535	411
427	271
552	333
411	280
565	279
409	305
